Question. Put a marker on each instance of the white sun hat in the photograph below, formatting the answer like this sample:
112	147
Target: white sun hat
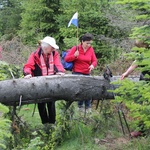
51	41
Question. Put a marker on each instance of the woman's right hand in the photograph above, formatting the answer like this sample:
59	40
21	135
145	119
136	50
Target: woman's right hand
124	75
28	76
76	54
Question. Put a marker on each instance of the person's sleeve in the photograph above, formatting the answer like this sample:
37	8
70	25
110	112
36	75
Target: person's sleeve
70	56
58	65
29	66
94	59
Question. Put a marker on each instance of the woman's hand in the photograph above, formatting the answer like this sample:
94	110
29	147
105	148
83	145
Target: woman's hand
76	54
91	67
28	76
124	75
60	73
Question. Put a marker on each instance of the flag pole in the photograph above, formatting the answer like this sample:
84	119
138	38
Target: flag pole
77	32
77	37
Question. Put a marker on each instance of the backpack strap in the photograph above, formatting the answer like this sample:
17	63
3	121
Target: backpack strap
55	68
53	53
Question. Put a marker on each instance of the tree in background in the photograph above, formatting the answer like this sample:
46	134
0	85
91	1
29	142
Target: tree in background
94	17
101	18
38	20
9	18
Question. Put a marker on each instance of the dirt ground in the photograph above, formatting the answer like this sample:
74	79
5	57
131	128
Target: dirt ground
112	143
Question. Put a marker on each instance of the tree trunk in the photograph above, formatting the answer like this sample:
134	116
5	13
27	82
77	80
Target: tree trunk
56	87
39	89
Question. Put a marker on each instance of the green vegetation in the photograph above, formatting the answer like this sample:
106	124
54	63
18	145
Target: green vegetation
73	129
40	18
5	133
115	24
137	96
9	71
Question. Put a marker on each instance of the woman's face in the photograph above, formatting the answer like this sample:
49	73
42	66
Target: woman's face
48	49
86	44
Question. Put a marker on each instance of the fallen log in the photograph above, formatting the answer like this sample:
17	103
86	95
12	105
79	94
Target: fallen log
52	88
46	88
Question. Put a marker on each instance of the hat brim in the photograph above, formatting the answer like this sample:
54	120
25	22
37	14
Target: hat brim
53	45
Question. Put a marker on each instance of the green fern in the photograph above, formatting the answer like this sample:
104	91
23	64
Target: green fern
5	133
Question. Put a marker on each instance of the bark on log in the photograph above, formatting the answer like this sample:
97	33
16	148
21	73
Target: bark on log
40	89
47	88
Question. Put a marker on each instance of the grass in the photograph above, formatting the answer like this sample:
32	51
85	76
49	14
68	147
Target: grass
93	132
30	116
75	144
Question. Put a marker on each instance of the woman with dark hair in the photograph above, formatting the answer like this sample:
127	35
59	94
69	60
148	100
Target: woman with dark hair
84	60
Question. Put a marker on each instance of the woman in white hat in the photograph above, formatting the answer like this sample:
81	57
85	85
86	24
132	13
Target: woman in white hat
45	61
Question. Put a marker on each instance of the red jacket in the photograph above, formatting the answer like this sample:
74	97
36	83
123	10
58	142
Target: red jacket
33	65
83	61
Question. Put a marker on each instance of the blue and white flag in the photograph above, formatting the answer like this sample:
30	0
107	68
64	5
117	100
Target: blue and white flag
74	20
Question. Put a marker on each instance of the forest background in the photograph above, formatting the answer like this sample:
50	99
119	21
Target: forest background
115	24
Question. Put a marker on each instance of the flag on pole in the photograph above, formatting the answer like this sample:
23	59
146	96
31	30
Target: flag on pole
74	20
